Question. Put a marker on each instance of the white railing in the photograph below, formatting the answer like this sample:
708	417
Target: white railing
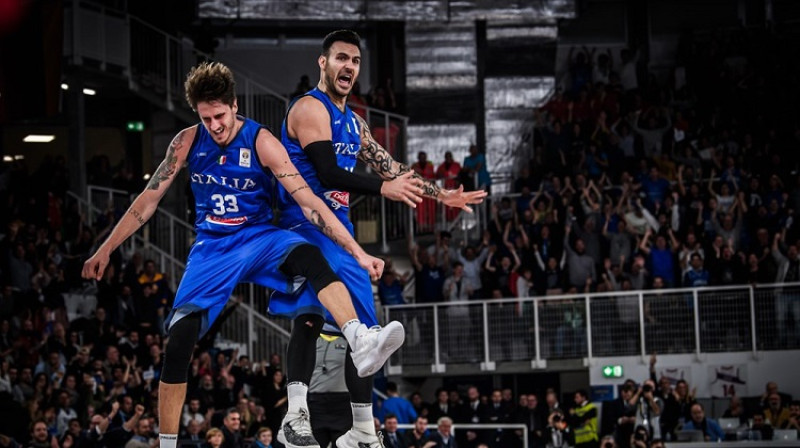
625	323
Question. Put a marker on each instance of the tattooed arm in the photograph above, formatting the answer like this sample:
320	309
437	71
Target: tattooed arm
144	205
374	155
274	156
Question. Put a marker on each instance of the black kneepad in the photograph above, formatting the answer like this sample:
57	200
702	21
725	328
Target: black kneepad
183	336
307	261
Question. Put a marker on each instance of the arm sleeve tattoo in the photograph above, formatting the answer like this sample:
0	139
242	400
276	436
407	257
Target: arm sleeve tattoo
379	159
169	166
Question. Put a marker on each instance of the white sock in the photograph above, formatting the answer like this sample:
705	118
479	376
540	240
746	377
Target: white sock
362	417
296	392
351	329
168	440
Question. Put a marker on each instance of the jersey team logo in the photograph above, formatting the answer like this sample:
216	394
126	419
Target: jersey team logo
222	160
244	157
239	220
338	199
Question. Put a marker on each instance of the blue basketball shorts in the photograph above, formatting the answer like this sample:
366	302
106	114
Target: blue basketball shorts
355	278
216	264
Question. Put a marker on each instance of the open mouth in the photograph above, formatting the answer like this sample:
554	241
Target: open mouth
345	81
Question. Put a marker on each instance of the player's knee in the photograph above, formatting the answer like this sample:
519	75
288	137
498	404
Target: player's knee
307	260
309	324
183	335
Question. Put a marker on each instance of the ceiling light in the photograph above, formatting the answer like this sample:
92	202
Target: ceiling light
18	157
146	177
8	159
88	91
34	138
64	86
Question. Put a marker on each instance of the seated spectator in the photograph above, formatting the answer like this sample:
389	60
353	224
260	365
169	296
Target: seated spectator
775	413
215	438
263	438
442	437
712	432
759	430
391	437
418	437
794	417
735	410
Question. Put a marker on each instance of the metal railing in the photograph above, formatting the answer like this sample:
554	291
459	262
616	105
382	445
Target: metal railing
154	63
262	336
630	323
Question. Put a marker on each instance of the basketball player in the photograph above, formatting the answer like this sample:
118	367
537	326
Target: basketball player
236	241
324	138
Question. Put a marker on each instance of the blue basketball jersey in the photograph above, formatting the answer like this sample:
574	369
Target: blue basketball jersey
346	133
231	189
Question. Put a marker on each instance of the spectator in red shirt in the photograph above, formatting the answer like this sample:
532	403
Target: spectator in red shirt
426	210
449	171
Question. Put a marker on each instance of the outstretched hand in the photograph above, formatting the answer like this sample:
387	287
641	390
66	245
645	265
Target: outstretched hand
461	199
404	188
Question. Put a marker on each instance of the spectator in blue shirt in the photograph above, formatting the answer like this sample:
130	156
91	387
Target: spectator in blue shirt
696	276
475	162
712	432
398	405
655	187
390	289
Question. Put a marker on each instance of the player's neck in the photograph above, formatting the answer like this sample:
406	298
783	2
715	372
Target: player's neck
338	100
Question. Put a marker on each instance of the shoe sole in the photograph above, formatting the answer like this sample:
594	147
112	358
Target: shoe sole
395	336
355	445
282	438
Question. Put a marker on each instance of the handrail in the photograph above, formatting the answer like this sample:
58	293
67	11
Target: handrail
735	318
597	295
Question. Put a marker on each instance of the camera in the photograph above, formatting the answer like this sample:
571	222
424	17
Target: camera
639	435
556	418
608	445
647	388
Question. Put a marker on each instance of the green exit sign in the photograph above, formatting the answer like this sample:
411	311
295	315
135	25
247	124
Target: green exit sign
612	371
135	126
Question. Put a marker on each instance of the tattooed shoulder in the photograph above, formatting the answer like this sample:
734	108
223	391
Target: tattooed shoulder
169	166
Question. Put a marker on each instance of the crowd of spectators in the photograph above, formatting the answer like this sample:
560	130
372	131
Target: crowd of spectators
645	415
634	185
72	378
647	184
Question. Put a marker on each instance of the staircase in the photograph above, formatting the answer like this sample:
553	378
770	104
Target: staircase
153	62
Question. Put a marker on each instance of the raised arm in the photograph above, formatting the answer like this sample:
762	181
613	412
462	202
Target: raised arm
711	184
643	245
374	155
144	205
681	186
275	157
412	255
